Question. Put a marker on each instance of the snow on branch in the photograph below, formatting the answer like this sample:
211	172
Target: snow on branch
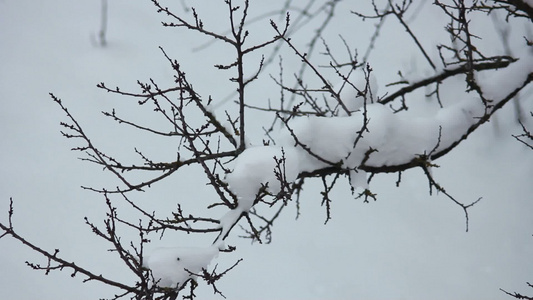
334	123
392	143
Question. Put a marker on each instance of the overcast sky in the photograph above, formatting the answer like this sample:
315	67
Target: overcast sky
406	245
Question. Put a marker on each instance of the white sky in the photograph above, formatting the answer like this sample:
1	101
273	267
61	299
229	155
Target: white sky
407	245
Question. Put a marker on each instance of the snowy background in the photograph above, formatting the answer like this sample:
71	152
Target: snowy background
407	245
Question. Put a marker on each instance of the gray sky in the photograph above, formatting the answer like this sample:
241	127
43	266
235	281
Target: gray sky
407	245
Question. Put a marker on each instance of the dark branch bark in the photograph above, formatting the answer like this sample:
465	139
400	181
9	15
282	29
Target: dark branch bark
500	63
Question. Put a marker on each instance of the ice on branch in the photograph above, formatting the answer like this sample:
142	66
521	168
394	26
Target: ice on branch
173	266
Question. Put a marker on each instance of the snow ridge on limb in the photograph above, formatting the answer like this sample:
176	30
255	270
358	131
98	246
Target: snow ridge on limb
173	266
318	146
